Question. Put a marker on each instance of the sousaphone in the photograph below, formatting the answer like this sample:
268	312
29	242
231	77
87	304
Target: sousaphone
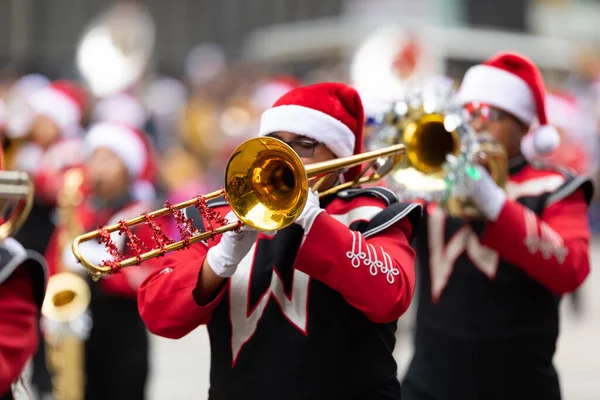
116	48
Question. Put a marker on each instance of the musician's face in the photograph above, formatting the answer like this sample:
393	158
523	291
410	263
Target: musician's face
309	150
44	131
108	174
503	127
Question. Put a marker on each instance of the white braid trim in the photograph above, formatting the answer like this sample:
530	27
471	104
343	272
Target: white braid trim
369	259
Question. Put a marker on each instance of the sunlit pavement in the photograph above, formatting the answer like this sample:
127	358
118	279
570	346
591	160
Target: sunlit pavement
180	368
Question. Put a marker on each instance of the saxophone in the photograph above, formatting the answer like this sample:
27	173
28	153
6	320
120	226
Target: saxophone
65	317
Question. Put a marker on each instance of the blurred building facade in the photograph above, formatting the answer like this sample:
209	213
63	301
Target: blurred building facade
43	34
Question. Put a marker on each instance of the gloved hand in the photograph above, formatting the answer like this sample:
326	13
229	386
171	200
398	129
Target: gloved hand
233	247
476	182
93	251
311	211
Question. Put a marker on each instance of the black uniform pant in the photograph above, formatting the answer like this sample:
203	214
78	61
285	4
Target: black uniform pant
449	369
117	351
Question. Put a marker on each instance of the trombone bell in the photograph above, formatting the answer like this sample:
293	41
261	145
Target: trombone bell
266	184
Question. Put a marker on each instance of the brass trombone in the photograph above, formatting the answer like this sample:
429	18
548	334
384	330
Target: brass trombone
266	185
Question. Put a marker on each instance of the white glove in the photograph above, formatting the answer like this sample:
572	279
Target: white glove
475	182
233	247
311	211
93	251
484	192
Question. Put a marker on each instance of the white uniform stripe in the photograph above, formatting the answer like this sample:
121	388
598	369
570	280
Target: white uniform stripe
359	213
534	187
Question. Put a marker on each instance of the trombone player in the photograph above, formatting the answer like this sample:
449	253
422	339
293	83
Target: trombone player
307	312
488	313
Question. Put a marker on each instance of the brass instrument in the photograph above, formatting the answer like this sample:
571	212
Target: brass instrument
432	129
16	200
266	185
65	309
115	50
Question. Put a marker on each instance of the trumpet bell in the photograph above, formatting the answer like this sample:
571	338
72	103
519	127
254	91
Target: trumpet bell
428	143
67	298
266	184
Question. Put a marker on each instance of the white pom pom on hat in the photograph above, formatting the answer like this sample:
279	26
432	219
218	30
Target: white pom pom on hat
512	82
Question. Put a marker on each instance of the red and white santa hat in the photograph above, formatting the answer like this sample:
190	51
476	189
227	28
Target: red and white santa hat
64	103
513	83
331	113
127	143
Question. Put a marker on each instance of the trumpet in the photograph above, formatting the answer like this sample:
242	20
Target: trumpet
432	128
266	185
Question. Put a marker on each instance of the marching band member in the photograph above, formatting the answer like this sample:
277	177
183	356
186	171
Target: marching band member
49	119
487	321
309	312
55	130
22	288
116	353
53	145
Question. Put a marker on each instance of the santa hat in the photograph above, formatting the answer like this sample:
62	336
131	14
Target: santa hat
64	103
331	113
127	143
120	108
512	83
20	114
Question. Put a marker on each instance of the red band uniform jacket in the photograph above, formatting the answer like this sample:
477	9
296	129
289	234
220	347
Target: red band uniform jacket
310	318
22	289
489	293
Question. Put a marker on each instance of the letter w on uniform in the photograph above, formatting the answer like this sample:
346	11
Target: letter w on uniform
244	320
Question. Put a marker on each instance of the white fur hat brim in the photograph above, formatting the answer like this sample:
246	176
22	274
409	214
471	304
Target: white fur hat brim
314	124
122	141
59	108
498	88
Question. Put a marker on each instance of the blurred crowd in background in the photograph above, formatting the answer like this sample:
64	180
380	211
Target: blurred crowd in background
194	115
194	120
